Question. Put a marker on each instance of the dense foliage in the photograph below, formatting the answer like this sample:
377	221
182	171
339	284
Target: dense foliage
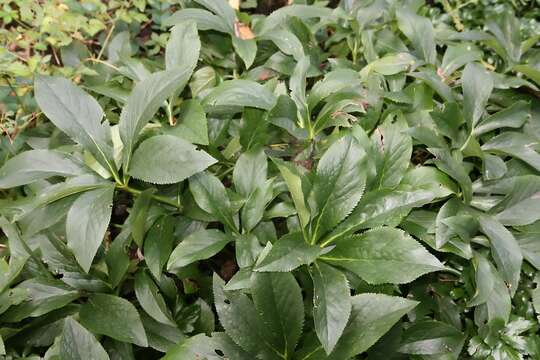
187	180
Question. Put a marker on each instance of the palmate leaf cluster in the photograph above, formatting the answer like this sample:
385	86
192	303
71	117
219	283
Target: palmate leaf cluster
318	183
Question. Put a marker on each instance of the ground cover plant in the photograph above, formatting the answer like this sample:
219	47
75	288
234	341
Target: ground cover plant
199	180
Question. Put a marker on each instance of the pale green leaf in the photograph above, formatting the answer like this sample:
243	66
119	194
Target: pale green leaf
167	159
419	31
237	94
145	99
77	114
192	124
34	165
183	47
477	84
86	224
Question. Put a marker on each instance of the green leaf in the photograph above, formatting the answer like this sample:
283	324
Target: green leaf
150	299
394	153
383	255
288	253
419	31
246	49
162	337
458	55
145	99
108	315
183	47
432	79
136	221
250	171
293	179
331	304
199	245
494	167
158	244
11	297
230	349
491	290
529	71
278	300
193	125
205	20
333	82
431	338
520	146
167	159
241	322
297	85
199	346
371	317
211	196
78	343
303	12
477	84
43	296
286	41
221	8
87	222
454	168
382	207
506	29
338	185
34	165
77	114
513	116
237	94
389	64
505	249
253	209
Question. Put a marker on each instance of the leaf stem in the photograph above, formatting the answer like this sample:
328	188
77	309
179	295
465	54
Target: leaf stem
106	42
159	198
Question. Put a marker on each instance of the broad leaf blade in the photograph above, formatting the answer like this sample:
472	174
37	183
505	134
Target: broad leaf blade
183	47
338	184
211	196
238	94
506	251
167	159
87	222
199	245
331	304
109	314
150	299
278	299
77	114
383	255
77	343
477	84
143	102
288	253
34	165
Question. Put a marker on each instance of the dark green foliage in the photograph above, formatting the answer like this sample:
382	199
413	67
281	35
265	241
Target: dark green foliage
317	183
